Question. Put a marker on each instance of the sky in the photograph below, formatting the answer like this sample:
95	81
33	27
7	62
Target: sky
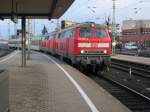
87	10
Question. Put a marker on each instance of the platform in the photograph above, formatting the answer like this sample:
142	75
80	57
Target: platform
49	85
135	59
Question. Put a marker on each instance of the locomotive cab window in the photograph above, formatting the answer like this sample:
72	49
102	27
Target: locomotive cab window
100	33
85	32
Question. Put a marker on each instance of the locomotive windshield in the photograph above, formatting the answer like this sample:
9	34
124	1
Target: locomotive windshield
85	32
100	33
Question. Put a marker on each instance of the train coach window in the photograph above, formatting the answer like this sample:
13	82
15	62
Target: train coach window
100	33
85	32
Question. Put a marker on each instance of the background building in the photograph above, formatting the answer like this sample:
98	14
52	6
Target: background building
137	31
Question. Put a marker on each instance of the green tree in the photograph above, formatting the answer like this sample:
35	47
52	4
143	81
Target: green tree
44	30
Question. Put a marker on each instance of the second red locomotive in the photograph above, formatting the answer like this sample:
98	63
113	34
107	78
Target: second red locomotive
85	45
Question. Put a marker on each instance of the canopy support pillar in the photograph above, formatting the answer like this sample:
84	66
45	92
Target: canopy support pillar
23	41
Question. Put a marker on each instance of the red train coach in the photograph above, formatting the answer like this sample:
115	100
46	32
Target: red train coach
86	44
44	43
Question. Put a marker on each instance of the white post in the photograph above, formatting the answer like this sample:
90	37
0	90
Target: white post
114	27
28	57
130	72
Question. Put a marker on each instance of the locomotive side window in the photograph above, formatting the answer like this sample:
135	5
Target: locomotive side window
54	36
85	32
100	33
70	33
47	37
61	35
66	34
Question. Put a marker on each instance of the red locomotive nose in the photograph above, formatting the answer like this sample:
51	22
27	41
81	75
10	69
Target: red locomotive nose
82	43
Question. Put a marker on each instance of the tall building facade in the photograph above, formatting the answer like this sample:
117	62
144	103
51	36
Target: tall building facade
137	31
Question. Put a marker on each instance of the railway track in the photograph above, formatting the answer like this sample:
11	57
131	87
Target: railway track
131	68
135	101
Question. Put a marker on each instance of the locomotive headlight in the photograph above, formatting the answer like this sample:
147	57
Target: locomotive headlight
105	51
92	25
82	51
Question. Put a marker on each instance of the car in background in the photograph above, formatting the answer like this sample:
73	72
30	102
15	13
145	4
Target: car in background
131	46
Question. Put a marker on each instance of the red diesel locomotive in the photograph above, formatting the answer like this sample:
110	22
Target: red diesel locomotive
85	45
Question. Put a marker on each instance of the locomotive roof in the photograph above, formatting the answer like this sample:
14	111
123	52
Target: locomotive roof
86	24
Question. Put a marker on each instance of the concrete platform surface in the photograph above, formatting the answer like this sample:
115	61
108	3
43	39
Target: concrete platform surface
45	85
135	59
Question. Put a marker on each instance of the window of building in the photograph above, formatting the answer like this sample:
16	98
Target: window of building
146	32
129	33
147	43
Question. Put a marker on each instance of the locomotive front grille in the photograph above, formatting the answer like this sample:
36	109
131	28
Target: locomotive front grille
93	52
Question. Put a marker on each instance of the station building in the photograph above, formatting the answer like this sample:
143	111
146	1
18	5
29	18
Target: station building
137	31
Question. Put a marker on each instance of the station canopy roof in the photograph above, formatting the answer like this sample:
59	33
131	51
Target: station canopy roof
34	9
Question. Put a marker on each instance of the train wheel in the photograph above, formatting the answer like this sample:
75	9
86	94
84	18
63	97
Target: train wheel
74	65
93	68
61	58
81	68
